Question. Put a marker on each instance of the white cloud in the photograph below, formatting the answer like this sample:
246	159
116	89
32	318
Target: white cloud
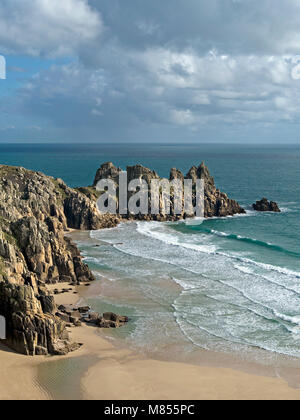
47	27
234	27
172	65
162	87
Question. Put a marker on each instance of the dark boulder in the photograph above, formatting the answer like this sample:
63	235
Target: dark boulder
265	205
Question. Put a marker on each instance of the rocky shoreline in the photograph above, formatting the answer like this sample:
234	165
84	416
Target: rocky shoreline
36	212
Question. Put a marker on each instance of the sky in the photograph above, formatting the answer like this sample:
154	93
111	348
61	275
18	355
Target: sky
150	71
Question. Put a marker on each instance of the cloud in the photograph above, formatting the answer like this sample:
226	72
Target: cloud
231	26
168	68
47	27
166	88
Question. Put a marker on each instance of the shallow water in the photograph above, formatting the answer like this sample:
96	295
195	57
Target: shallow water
61	379
225	302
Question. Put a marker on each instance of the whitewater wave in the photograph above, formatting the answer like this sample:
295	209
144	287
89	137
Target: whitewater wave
235	237
292	319
148	229
252	241
257	308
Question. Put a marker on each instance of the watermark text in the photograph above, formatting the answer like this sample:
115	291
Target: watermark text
158	196
2	328
2	67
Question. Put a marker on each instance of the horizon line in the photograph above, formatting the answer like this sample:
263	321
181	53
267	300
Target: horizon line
149	143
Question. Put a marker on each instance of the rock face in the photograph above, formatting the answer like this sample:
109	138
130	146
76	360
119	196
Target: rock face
107	320
265	205
35	212
216	203
107	171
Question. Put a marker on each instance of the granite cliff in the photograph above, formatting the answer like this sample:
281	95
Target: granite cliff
35	213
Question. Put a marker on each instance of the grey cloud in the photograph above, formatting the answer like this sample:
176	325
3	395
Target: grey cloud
47	27
172	68
148	88
231	26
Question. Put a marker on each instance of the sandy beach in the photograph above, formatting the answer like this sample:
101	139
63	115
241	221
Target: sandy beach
124	374
18	377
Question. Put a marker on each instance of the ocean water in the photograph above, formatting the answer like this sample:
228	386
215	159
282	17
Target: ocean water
229	285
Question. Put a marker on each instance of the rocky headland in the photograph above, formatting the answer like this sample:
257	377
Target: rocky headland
35	213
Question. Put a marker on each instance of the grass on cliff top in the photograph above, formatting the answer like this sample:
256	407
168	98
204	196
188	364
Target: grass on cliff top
90	192
8	236
8	172
13	170
59	189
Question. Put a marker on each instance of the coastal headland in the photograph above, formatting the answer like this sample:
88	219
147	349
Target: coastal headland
38	262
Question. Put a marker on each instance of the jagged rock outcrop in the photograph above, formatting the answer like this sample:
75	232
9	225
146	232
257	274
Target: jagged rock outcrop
107	171
216	203
176	174
35	212
31	330
265	205
140	172
107	320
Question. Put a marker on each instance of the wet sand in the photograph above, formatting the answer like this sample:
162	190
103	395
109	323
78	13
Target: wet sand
18	380
109	371
103	371
124	374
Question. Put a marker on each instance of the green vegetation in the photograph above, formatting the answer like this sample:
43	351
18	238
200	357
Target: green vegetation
90	192
10	239
60	190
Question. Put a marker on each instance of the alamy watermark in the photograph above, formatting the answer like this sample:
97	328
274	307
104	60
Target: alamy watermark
2	328
160	196
2	67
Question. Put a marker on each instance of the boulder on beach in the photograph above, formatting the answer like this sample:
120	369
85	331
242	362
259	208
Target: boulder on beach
107	320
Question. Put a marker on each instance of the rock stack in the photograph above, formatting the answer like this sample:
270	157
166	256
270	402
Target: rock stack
265	205
216	202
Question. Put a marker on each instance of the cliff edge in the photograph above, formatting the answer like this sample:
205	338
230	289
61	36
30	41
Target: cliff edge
35	213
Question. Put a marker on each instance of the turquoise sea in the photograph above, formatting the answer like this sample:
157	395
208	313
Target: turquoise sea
229	285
